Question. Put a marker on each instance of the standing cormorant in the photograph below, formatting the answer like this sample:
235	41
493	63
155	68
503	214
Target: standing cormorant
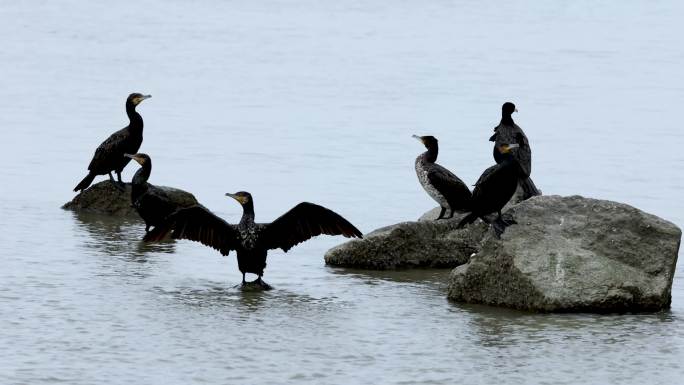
153	203
249	239
508	132
495	188
109	156
441	184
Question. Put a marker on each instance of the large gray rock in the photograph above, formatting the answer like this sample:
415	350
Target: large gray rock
573	254
106	198
410	244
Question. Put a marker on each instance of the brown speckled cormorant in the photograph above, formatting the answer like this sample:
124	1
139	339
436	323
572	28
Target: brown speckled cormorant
508	132
249	239
441	184
495	188
153	203
109	156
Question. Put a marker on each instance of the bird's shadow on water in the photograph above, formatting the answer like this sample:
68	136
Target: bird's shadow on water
119	236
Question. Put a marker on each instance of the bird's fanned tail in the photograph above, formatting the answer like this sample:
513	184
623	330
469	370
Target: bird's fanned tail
83	184
529	188
470	218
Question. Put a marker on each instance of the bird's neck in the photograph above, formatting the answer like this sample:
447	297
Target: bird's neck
139	183
143	174
431	154
247	213
507	119
508	160
136	121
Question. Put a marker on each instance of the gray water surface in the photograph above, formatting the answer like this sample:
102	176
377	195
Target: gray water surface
317	101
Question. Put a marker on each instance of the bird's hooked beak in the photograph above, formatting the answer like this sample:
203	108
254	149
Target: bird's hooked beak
140	98
506	148
419	138
515	110
241	199
135	158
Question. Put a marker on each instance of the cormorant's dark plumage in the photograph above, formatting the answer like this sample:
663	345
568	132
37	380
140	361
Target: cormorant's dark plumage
495	188
249	239
152	203
109	156
441	184
507	132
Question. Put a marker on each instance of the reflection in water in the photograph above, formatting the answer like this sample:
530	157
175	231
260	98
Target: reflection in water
500	327
432	277
120	236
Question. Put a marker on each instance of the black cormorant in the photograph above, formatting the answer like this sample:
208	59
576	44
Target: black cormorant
153	203
508	132
495	188
441	184
249	239
109	156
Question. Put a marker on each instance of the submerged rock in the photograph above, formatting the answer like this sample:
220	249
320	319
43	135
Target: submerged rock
410	244
106	198
573	254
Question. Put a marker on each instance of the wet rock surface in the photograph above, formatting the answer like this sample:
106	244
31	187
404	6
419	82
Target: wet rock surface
573	254
410	244
109	199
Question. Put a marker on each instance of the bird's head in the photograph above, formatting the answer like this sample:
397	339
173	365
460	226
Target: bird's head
136	98
242	197
507	148
141	158
508	108
430	142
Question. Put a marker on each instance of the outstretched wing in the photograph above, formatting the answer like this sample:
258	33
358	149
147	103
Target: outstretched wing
450	186
197	224
302	222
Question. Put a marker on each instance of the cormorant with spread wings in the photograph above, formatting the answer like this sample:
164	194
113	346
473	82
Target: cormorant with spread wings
249	239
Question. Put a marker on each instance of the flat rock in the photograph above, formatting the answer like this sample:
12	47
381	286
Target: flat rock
106	198
410	244
570	254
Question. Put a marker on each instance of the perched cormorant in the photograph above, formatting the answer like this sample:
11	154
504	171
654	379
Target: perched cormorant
508	132
109	156
153	203
249	239
441	184
495	188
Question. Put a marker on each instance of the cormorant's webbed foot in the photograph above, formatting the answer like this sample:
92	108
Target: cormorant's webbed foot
119	185
263	284
257	284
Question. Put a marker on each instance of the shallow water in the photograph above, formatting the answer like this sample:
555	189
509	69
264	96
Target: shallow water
312	101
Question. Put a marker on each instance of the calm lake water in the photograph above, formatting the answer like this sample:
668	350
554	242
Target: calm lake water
317	101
